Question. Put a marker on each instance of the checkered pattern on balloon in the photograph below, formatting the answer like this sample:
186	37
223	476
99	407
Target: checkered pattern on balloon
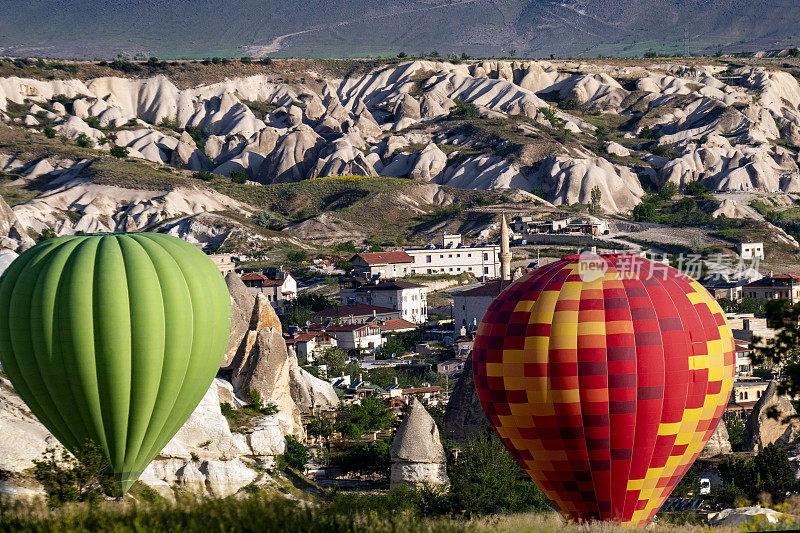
605	376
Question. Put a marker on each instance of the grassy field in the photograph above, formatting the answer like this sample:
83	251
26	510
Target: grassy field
264	513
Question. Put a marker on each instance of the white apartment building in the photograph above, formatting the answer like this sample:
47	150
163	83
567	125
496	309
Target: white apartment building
381	264
362	337
750	250
453	257
411	299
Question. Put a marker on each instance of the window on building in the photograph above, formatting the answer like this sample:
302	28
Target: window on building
485	257
485	270
427	259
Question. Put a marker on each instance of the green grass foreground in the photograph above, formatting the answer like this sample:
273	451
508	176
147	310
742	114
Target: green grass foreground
263	512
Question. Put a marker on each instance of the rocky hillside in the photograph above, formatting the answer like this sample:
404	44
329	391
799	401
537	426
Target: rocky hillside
268	144
91	28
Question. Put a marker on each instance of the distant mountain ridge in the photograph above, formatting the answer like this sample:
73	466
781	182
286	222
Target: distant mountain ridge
91	28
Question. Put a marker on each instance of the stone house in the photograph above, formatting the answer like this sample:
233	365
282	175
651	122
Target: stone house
470	305
357	314
276	284
308	345
381	264
411	299
774	286
363	338
225	262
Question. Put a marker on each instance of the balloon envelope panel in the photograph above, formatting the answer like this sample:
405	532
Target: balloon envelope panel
113	338
605	378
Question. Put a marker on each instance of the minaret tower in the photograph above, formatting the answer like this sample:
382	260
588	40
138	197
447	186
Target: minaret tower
505	250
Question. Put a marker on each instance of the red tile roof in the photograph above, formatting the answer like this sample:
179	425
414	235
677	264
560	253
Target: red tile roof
261	278
397	324
254	276
383	258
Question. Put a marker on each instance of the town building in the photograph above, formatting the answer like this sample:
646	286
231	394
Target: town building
450	367
360	389
225	263
470	305
750	250
773	287
397	325
746	392
381	264
357	314
363	338
411	299
431	394
276	284
309	345
744	365
527	225
452	256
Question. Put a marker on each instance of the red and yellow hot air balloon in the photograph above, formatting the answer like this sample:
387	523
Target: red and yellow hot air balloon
605	376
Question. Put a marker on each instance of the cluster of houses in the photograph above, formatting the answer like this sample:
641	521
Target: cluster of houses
528	225
381	297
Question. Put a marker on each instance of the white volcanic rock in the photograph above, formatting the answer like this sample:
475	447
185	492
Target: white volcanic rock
116	208
596	91
73	127
742	167
429	164
718	444
570	180
293	158
617	149
22	437
762	430
341	158
485	172
417	454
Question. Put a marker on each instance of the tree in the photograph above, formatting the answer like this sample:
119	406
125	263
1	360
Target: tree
296	455
735	428
204	175
80	477
695	188
84	141
394	345
334	359
369	415
348	247
486	479
297	255
667	191
49	132
687	204
783	349
774	473
645	212
47	233
319	426
366	458
120	152
594	206
315	301
239	176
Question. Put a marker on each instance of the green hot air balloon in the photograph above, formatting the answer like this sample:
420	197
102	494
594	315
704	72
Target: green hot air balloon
113	338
